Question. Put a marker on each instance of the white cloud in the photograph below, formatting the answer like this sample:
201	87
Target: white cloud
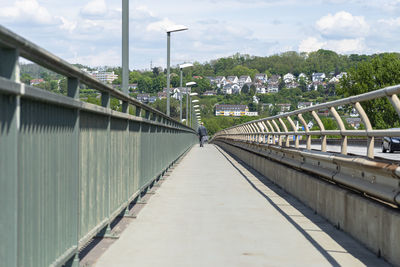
342	25
110	57
311	44
392	22
144	11
343	46
27	11
95	8
68	25
347	45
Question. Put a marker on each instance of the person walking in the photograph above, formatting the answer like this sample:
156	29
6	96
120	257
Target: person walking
202	131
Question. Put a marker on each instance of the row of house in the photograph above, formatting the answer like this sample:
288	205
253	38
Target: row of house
263	84
234	111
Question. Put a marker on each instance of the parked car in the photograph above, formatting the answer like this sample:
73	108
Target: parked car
391	144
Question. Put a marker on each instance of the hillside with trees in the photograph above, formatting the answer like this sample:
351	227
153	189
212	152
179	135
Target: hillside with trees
365	73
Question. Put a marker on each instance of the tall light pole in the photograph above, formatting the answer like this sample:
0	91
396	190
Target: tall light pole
177	28
187	100
186	65
191	116
125	45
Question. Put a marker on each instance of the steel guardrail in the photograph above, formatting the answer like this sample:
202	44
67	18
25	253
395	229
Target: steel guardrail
69	168
267	130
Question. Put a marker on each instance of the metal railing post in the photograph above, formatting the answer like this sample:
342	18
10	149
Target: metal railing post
368	127
342	130
300	116
296	142
322	129
9	179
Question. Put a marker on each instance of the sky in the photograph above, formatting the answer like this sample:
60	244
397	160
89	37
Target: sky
89	32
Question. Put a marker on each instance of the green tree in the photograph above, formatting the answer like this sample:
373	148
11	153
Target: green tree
381	71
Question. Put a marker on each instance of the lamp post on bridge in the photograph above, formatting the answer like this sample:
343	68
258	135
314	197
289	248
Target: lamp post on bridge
186	65
193	101
187	100
176	28
125	46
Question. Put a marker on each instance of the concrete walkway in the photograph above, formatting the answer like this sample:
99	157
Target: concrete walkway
212	211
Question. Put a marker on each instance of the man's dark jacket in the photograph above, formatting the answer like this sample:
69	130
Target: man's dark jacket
202	131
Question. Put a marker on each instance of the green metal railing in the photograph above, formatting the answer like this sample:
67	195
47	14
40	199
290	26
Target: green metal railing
69	168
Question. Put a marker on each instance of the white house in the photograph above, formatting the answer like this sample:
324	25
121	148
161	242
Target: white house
244	79
233	111
232	79
273	88
231	88
260	78
261	89
302	76
220	81
288	78
318	77
301	105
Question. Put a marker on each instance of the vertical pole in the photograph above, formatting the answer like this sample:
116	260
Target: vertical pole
187	105
73	92
191	116
168	68
10	120
125	46
180	98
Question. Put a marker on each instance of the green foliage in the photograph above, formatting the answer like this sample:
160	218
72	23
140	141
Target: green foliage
379	72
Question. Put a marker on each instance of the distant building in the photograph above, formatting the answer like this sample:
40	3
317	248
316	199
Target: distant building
232	79
144	98
162	95
209	93
244	79
301	105
288	78
260	78
273	87
318	77
36	81
354	122
231	88
104	76
233	111
152	99
302	76
261	89
285	107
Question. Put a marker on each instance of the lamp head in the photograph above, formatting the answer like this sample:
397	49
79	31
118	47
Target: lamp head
185	65
177	28
191	83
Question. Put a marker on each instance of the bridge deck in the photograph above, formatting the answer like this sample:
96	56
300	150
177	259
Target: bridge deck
212	211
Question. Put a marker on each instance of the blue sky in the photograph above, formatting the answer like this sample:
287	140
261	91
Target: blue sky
89	32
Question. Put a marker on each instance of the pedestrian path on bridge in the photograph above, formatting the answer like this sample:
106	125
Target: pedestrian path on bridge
214	211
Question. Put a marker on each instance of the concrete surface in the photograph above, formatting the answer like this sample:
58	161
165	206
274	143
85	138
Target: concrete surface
213	211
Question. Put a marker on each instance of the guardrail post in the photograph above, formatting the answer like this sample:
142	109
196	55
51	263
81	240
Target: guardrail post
73	92
296	142
273	132
286	130
368	127
278	131
322	129
342	130
138	111
10	118
300	116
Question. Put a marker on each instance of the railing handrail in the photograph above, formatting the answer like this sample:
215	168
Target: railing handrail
273	125
54	63
387	91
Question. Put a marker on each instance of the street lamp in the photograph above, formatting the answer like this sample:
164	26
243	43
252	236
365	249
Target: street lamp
187	99
193	101
125	46
176	28
186	65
